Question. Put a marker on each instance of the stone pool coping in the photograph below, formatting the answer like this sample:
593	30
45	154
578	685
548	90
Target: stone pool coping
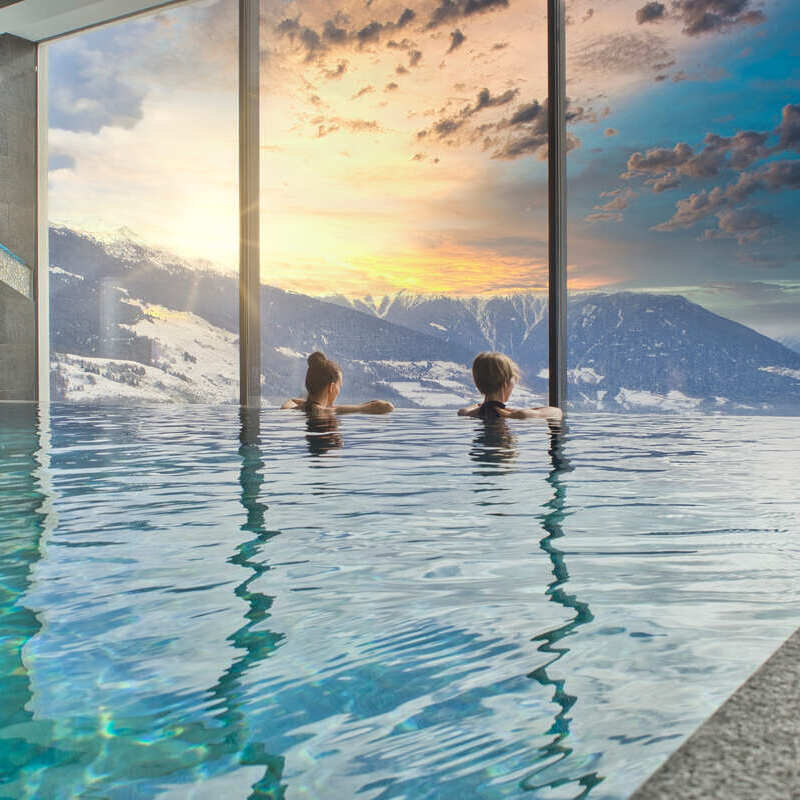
749	748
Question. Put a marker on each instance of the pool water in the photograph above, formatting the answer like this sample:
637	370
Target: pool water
195	604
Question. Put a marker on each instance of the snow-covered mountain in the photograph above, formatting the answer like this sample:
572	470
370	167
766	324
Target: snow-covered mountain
133	323
626	350
508	323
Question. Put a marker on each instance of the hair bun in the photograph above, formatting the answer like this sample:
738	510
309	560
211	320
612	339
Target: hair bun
317	359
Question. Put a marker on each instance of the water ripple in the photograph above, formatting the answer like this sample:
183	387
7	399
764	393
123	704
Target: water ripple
414	606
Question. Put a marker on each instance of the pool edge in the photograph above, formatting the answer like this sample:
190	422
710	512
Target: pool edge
748	748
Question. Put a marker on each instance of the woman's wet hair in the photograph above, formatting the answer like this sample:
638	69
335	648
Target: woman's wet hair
321	372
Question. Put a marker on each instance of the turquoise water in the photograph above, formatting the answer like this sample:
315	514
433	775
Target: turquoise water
410	607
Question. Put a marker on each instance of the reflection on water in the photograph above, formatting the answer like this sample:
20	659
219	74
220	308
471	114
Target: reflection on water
323	433
239	620
253	639
23	523
552	640
494	445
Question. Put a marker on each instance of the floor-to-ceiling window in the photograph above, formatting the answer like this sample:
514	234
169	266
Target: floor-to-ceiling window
683	199
143	209
404	202
404	195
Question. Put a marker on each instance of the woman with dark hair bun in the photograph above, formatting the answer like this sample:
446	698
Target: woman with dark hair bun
323	384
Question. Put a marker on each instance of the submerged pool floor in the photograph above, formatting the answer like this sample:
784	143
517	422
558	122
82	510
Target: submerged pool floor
415	606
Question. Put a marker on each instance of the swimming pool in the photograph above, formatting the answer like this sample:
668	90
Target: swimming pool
414	606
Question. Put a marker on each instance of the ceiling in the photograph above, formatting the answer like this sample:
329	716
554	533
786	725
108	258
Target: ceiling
40	20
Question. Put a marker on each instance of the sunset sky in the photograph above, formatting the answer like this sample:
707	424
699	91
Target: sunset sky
402	145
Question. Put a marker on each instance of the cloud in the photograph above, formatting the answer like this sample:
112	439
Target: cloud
629	52
611	210
529	131
446	127
735	152
92	91
603	216
337	71
664	167
742	224
369	33
485	99
333	124
715	16
619	200
335	34
456	40
449	11
650	12
308	39
702	16
663	184
390	87
781	174
774	176
526	113
658	160
360	125
531	144
361	92
405	18
789	129
414	54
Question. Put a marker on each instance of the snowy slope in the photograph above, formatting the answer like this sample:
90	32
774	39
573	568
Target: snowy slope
191	361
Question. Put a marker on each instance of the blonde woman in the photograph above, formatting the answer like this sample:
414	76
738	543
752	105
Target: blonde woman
495	376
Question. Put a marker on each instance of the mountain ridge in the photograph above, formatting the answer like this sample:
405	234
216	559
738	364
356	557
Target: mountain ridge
627	350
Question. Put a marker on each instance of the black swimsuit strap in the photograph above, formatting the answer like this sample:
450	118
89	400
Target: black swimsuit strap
487	409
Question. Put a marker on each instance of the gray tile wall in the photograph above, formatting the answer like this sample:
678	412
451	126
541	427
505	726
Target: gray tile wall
17	212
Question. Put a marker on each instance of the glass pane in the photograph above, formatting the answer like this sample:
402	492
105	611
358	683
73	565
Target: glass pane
682	205
143	209
404	196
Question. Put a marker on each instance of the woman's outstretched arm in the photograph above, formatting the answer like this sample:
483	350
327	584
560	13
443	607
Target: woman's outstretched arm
543	412
370	407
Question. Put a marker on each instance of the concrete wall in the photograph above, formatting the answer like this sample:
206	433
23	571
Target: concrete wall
17	345
18	183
